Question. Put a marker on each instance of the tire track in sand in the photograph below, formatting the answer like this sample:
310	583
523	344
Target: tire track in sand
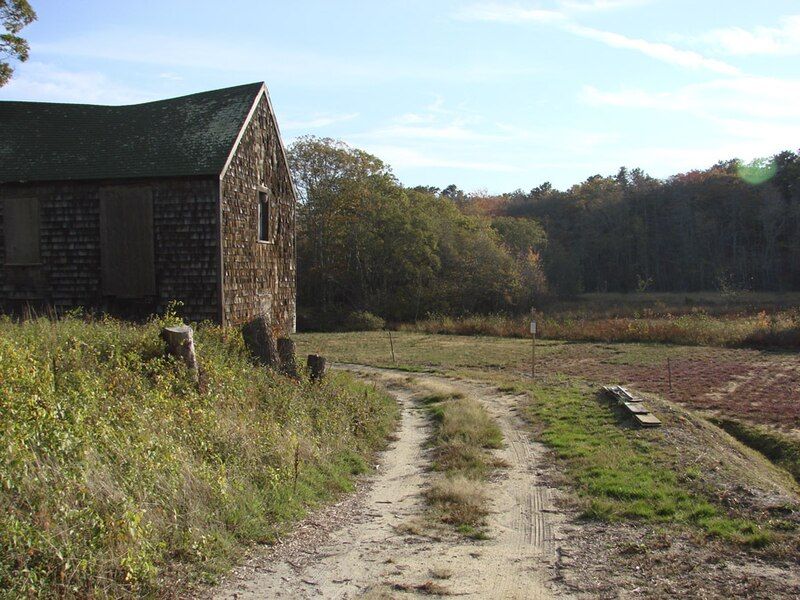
364	546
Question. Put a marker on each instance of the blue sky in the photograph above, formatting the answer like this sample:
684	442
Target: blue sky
487	95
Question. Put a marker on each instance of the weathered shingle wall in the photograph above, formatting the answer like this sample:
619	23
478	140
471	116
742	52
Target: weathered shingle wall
258	277
185	217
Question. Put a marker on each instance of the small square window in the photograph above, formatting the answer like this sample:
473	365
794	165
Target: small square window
263	218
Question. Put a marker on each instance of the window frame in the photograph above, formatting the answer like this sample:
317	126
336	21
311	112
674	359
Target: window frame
264	200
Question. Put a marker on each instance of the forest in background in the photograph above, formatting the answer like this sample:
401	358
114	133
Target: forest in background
368	246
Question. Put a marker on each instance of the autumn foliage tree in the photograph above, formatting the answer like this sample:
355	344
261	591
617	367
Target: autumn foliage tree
366	243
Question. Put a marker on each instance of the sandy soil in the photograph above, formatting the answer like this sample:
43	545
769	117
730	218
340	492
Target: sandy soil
377	544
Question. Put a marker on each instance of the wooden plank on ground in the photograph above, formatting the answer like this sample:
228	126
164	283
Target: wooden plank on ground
636	408
647	420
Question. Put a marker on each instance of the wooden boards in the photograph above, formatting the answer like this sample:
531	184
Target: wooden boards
633	405
126	241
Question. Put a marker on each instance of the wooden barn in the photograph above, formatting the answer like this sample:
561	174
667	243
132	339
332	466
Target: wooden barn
126	208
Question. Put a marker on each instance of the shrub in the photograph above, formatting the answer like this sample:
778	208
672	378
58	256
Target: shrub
363	321
115	470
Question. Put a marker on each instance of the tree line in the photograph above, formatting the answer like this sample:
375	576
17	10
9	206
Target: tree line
367	243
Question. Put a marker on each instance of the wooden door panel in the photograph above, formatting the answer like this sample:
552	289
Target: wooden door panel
126	237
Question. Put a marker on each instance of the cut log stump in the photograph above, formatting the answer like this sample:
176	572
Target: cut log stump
316	367
287	353
260	341
180	343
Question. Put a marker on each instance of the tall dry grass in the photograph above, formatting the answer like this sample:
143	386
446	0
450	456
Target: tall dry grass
762	329
118	478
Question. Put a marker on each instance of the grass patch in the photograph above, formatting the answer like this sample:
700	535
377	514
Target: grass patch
780	449
117	476
620	473
464	434
460	501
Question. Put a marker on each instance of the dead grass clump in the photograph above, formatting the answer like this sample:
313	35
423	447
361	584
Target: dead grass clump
428	588
467	421
459	500
441	573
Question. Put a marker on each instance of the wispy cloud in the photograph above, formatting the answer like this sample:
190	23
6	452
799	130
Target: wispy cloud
562	11
783	40
451	132
563	19
404	157
317	122
506	13
44	82
760	97
257	60
600	5
657	50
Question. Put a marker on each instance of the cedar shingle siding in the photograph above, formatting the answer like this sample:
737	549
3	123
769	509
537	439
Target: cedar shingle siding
200	160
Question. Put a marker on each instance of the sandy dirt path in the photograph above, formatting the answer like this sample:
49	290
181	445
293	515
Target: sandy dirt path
376	544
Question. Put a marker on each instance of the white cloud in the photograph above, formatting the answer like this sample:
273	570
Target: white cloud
748	117
600	5
414	119
782	40
257	61
451	132
403	157
660	51
506	13
760	97
512	13
317	122
516	13
47	83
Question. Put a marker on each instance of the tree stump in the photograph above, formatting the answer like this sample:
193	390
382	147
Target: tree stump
260	342
316	367
180	343
286	352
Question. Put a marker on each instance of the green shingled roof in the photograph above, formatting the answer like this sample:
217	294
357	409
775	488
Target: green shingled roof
190	135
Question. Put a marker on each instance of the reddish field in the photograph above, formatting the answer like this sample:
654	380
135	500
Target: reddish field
759	386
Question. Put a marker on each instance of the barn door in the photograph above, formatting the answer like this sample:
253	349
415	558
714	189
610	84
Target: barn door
126	238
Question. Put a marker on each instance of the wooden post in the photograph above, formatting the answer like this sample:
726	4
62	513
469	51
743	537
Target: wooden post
286	352
260	341
180	343
533	344
316	367
669	374
391	345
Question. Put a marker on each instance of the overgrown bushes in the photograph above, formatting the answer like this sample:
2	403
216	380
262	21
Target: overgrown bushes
117	476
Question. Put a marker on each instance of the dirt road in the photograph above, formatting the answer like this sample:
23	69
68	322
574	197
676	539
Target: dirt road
376	543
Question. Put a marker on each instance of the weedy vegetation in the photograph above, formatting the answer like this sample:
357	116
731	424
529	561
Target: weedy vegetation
464	434
119	478
762	329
